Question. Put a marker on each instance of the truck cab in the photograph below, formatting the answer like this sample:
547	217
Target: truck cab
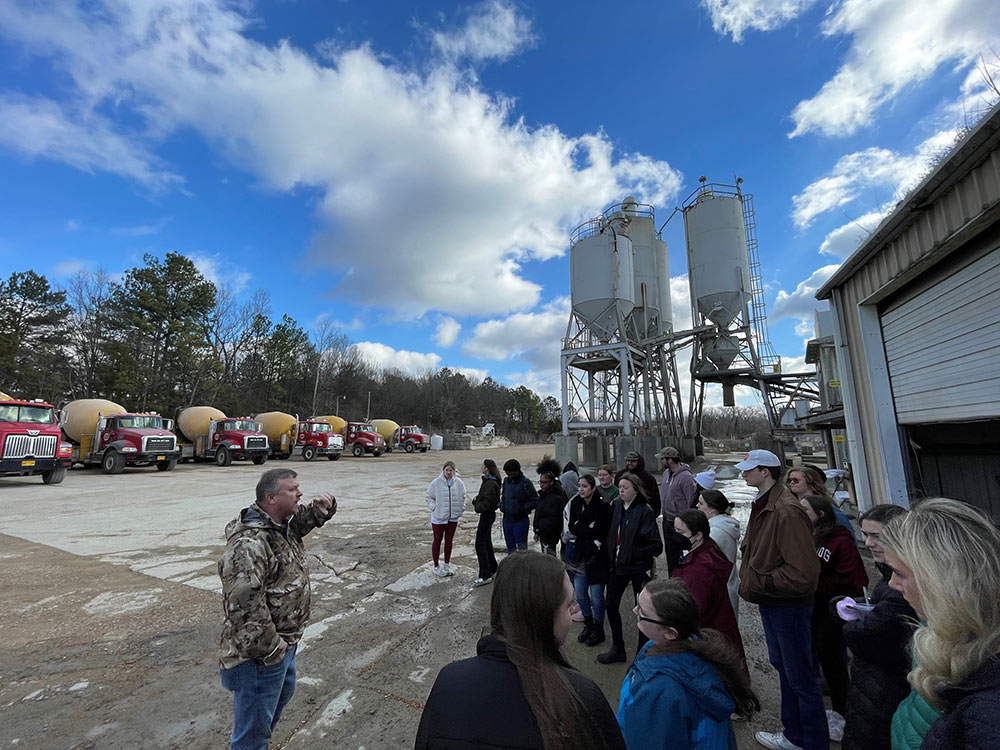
131	440
362	437
31	441
317	438
236	438
410	438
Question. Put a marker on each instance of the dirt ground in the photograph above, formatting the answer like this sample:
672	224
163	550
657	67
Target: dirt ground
110	608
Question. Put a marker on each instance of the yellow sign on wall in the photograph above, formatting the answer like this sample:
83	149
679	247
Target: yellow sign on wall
835	384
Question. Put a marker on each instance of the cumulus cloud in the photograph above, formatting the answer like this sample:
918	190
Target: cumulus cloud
220	272
493	31
534	337
475	375
882	60
386	358
734	17
801	303
870	168
845	239
422	177
447	331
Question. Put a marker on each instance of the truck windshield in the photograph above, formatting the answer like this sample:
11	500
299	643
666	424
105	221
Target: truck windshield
33	414
322	427
240	424
141	422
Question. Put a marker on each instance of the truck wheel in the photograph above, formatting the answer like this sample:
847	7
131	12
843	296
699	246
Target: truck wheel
408	448
222	457
358	450
388	449
334	456
55	476
308	453
259	460
113	463
166	465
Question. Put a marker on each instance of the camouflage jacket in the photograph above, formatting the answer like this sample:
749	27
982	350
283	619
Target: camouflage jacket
265	585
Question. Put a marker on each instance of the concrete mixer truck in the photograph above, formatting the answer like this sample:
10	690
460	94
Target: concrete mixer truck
290	437
30	440
212	436
103	432
359	437
408	437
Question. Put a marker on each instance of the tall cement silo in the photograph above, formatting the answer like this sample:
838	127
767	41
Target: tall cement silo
601	278
642	231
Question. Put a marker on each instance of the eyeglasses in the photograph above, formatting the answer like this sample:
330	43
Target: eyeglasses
643	618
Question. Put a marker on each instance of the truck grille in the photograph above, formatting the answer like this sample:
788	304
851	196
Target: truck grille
36	446
159	444
255	442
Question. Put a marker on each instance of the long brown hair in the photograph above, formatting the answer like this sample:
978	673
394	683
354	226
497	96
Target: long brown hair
528	589
491	467
673	604
827	522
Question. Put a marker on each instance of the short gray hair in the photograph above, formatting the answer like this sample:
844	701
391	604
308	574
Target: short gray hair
270	482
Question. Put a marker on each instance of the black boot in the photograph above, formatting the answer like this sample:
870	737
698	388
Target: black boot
588	626
616	654
596	633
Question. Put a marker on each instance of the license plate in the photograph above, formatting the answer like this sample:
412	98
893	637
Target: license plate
27	463
159	458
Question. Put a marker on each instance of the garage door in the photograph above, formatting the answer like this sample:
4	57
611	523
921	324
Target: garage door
942	346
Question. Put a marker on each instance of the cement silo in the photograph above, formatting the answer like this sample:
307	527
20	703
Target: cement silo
663	278
718	266
642	232
601	277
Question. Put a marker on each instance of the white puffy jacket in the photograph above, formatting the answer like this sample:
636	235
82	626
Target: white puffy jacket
446	503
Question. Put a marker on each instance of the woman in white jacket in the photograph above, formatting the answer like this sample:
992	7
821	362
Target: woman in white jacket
446	499
725	531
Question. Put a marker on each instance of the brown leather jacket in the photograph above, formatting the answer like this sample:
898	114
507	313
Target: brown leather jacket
779	567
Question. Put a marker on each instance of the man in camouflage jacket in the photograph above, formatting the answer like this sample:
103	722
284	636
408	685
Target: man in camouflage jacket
265	589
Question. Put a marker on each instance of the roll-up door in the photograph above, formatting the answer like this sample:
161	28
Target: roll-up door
942	346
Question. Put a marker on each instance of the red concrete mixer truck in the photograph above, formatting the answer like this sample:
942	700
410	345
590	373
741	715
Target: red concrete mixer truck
31	442
359	437
212	436
290	437
103	432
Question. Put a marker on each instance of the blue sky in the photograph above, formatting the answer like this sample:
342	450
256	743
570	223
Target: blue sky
412	171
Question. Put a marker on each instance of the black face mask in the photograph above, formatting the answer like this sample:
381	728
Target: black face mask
683	541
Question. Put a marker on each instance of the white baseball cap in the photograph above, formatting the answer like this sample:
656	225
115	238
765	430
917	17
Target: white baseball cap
757	458
706	479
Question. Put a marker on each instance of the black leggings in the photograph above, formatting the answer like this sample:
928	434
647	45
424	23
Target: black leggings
616	590
830	654
484	544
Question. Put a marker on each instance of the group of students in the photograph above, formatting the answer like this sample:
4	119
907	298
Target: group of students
940	568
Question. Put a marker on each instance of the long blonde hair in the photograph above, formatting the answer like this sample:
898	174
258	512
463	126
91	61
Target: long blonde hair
953	550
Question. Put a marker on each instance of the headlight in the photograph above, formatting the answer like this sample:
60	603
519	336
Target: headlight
65	449
129	449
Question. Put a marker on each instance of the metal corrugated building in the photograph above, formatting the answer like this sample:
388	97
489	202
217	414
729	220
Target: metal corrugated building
917	314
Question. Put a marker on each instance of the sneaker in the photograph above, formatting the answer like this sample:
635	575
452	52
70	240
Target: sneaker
836	724
447	570
439	572
775	741
482	582
578	616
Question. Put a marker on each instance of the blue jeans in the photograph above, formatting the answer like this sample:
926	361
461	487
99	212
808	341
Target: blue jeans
259	696
590	597
515	534
789	649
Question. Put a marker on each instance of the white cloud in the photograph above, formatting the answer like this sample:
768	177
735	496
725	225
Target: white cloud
354	324
447	331
405	162
494	31
72	266
475	375
72	225
386	358
844	240
40	128
140	230
220	271
893	44
534	337
801	303
871	168
733	17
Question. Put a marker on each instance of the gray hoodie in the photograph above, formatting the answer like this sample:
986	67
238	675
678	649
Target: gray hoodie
725	531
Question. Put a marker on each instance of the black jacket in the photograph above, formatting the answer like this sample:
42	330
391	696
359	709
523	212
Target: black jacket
879	643
488	498
971	720
517	497
548	520
635	535
589	523
480	703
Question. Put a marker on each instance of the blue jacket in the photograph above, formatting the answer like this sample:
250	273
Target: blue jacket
675	702
517	498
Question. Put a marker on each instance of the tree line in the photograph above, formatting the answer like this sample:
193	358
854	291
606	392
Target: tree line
164	337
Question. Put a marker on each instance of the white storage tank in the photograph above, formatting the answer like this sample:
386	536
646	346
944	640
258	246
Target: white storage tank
601	279
663	282
718	267
642	233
